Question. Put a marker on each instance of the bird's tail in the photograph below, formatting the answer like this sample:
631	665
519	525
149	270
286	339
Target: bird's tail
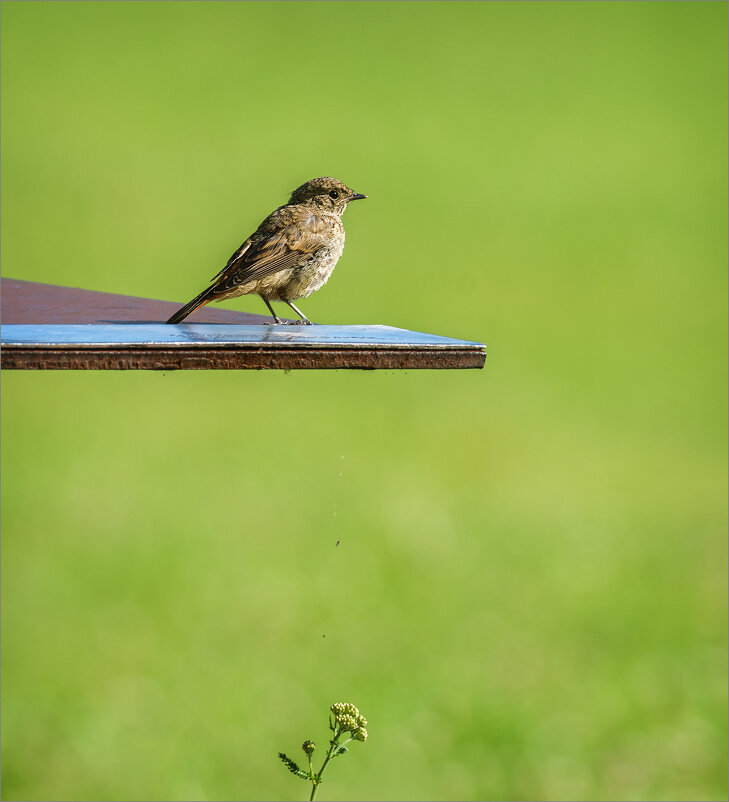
204	298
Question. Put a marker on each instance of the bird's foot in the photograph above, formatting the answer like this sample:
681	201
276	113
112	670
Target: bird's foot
278	321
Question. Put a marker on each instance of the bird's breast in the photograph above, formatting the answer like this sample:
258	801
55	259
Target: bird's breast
312	274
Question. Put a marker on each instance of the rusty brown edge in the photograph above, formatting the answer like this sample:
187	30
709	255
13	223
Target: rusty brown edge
218	358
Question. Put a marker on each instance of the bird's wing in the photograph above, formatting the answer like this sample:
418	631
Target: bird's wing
272	250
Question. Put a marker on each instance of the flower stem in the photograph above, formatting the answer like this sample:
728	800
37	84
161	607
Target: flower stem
333	746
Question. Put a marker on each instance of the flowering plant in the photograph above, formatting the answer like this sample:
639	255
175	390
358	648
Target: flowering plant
346	724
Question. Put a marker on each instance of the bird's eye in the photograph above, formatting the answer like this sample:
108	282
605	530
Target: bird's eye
333	194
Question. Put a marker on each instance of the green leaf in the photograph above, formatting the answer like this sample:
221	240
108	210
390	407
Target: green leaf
293	767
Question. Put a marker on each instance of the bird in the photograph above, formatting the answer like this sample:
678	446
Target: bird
290	255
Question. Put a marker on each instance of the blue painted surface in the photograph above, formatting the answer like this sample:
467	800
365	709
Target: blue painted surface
212	334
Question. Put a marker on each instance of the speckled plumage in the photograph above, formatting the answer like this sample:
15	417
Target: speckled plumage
290	255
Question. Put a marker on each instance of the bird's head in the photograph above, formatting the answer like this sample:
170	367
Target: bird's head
324	193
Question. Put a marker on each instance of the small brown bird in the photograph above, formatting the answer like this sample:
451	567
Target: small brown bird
291	254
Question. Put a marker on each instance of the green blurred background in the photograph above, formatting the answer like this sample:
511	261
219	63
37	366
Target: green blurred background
528	598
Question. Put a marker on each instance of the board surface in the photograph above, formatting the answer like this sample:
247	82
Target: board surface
245	341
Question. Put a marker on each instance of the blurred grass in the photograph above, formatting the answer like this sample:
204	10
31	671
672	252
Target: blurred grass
529	595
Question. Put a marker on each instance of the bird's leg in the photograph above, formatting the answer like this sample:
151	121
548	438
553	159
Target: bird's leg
304	319
276	319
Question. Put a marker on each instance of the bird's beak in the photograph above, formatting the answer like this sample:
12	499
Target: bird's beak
357	196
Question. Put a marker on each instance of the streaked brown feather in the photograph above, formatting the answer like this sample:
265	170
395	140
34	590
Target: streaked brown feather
259	257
